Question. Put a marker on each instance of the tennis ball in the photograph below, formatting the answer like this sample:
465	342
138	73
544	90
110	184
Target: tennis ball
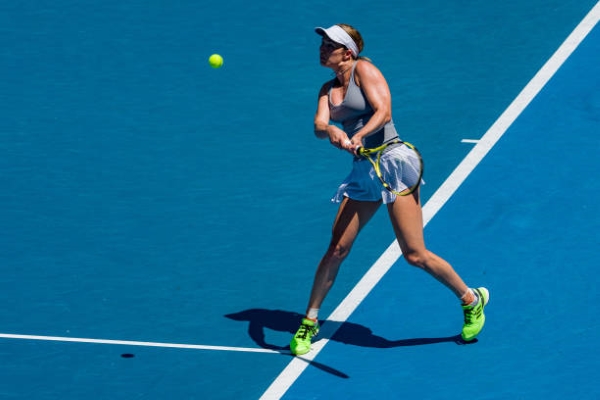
215	61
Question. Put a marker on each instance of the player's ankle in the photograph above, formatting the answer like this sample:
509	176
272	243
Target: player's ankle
468	297
312	314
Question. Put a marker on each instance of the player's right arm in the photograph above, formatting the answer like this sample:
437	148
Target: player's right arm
322	115
323	129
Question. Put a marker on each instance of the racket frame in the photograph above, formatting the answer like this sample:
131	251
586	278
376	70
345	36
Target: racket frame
367	153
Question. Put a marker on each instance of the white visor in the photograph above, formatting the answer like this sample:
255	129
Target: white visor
339	35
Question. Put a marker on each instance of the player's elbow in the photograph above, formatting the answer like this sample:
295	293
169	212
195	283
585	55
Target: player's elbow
320	130
382	114
386	115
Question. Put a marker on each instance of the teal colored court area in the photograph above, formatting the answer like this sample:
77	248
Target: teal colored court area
162	220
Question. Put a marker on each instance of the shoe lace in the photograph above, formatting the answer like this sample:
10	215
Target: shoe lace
303	331
472	314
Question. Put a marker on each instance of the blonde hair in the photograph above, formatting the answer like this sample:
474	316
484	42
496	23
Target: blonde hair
356	36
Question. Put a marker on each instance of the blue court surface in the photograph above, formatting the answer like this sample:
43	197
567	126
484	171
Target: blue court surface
162	220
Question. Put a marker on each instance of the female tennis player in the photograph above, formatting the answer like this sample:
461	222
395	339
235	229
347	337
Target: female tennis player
359	100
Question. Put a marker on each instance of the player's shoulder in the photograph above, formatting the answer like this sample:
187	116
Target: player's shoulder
365	65
326	86
366	71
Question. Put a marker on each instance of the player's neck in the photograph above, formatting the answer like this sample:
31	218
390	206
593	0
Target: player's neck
343	72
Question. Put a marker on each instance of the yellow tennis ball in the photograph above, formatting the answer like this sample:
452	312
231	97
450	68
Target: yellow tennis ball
215	61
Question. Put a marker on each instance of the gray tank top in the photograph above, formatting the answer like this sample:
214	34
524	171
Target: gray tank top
355	111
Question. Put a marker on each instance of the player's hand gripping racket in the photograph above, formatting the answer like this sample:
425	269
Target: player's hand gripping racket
411	171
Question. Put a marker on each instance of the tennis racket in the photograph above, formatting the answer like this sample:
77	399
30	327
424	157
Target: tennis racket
408	170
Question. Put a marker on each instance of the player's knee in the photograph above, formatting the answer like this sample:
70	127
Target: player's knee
416	258
338	251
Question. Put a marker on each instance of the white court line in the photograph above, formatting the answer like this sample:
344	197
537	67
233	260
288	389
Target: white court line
295	368
475	141
138	343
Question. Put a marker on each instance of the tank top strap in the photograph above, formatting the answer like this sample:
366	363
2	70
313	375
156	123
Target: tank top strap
352	81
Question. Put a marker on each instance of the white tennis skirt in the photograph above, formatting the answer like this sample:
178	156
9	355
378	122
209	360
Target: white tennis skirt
399	166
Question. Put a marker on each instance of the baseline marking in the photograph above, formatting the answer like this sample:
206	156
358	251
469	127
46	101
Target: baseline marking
138	343
295	368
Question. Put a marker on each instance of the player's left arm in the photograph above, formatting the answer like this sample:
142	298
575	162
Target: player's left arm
368	77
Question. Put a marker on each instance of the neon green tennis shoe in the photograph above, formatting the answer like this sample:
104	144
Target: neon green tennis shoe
474	316
300	344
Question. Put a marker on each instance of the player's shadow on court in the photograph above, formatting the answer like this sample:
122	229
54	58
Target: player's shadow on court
261	320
